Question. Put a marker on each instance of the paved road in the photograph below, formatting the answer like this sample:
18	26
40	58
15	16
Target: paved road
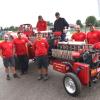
29	88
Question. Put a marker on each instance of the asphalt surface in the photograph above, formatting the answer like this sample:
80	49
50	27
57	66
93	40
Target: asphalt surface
29	88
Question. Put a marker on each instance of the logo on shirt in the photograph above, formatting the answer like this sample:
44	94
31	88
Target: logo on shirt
23	40
10	44
42	43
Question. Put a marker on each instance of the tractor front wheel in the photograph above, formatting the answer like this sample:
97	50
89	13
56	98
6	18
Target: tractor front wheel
72	84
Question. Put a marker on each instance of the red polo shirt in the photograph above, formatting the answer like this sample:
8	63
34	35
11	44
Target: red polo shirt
79	36
40	47
20	46
97	45
41	25
7	49
93	37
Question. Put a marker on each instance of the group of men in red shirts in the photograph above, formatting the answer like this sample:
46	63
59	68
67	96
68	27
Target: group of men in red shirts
92	37
10	49
19	47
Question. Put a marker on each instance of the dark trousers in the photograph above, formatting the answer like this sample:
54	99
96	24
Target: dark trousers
23	61
63	35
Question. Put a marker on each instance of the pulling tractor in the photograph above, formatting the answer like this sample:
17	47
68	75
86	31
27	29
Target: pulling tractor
80	64
77	60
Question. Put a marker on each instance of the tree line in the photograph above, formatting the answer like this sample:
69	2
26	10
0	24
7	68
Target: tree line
89	20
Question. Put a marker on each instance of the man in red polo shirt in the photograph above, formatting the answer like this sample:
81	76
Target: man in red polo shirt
41	24
7	53
78	35
40	46
93	36
20	45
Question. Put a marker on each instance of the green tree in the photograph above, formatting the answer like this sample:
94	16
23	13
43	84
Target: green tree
12	28
98	23
78	22
90	20
6	29
49	23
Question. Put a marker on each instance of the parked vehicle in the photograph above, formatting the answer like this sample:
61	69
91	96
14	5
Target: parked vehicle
27	29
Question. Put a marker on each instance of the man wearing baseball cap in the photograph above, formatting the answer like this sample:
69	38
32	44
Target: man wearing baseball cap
7	53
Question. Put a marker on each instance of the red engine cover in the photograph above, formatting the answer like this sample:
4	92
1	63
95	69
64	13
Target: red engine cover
59	66
84	73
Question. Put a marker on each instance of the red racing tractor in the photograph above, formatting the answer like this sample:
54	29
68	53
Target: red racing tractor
77	60
80	64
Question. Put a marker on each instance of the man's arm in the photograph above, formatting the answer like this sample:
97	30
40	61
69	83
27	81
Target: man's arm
45	25
47	45
65	23
1	50
86	40
54	27
34	45
1	53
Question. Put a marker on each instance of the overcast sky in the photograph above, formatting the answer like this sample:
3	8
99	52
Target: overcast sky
16	12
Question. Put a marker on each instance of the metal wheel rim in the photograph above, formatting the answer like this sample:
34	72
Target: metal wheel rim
70	85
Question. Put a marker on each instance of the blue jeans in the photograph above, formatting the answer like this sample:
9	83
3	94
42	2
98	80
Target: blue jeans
63	35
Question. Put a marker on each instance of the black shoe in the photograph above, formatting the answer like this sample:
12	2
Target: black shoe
40	77
26	72
15	76
45	77
22	73
8	77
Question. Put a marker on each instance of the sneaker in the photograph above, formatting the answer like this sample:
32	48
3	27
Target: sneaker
94	80
15	76
8	77
45	78
40	77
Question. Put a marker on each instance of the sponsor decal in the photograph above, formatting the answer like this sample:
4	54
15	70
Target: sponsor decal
98	69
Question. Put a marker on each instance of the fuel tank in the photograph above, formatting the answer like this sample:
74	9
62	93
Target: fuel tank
82	71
